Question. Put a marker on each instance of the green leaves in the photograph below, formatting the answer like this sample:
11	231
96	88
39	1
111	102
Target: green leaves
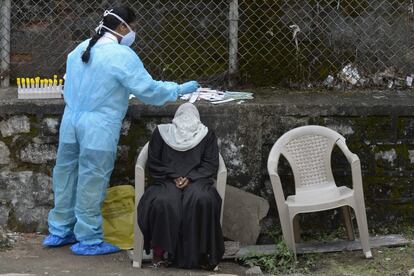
282	261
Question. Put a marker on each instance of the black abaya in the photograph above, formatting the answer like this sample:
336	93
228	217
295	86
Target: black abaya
185	223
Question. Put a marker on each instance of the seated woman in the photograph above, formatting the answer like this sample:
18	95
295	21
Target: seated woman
179	213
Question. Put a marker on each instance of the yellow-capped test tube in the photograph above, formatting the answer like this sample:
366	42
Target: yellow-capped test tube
18	83
36	84
32	84
23	83
60	85
28	82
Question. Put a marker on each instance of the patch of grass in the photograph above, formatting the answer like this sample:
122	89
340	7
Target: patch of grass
385	261
281	261
324	235
405	229
4	246
4	242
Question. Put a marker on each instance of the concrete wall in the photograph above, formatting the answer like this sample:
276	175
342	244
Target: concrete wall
379	130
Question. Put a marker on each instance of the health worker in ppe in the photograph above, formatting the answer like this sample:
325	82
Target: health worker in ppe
101	73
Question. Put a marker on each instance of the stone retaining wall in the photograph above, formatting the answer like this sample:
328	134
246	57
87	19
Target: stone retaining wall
379	127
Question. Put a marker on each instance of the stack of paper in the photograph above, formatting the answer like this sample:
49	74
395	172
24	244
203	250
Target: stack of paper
216	96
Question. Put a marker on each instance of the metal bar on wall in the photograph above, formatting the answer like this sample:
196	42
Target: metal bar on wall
233	41
5	43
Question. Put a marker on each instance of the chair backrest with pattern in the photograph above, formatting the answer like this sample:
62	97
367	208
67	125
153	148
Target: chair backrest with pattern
308	150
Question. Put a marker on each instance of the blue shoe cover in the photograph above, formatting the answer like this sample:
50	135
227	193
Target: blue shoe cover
94	249
56	241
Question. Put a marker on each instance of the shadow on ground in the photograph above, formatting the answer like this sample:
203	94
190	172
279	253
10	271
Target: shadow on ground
28	257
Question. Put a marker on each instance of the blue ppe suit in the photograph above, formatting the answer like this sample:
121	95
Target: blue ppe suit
96	96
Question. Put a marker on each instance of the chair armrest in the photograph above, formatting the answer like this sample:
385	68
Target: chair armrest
221	177
139	192
222	166
277	188
140	174
221	184
272	165
351	157
142	157
139	183
355	163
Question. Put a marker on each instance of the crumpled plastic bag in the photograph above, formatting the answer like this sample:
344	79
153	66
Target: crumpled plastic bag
118	212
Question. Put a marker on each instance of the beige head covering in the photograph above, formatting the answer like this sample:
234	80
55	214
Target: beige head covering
186	130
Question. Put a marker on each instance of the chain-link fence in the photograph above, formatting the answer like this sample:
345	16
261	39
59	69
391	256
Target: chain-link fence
305	40
266	42
175	39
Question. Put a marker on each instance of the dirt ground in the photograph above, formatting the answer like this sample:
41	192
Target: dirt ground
386	261
28	257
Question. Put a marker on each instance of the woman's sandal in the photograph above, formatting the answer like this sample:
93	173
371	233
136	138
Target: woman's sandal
205	264
208	267
159	264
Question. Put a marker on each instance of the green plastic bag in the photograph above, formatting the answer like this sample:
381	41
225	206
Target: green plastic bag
118	216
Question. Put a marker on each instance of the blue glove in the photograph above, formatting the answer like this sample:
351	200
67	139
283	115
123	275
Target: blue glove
188	87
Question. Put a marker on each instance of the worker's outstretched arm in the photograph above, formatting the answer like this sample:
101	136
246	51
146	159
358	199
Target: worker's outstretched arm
132	75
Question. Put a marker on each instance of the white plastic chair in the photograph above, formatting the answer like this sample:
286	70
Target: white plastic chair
308	150
220	185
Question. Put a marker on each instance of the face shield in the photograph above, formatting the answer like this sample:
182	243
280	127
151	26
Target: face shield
127	39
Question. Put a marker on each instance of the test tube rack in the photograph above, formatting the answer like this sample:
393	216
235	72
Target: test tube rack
38	88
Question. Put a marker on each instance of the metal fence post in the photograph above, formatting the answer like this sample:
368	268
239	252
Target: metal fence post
233	41
5	43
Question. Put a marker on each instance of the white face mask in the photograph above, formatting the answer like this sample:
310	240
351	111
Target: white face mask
127	39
